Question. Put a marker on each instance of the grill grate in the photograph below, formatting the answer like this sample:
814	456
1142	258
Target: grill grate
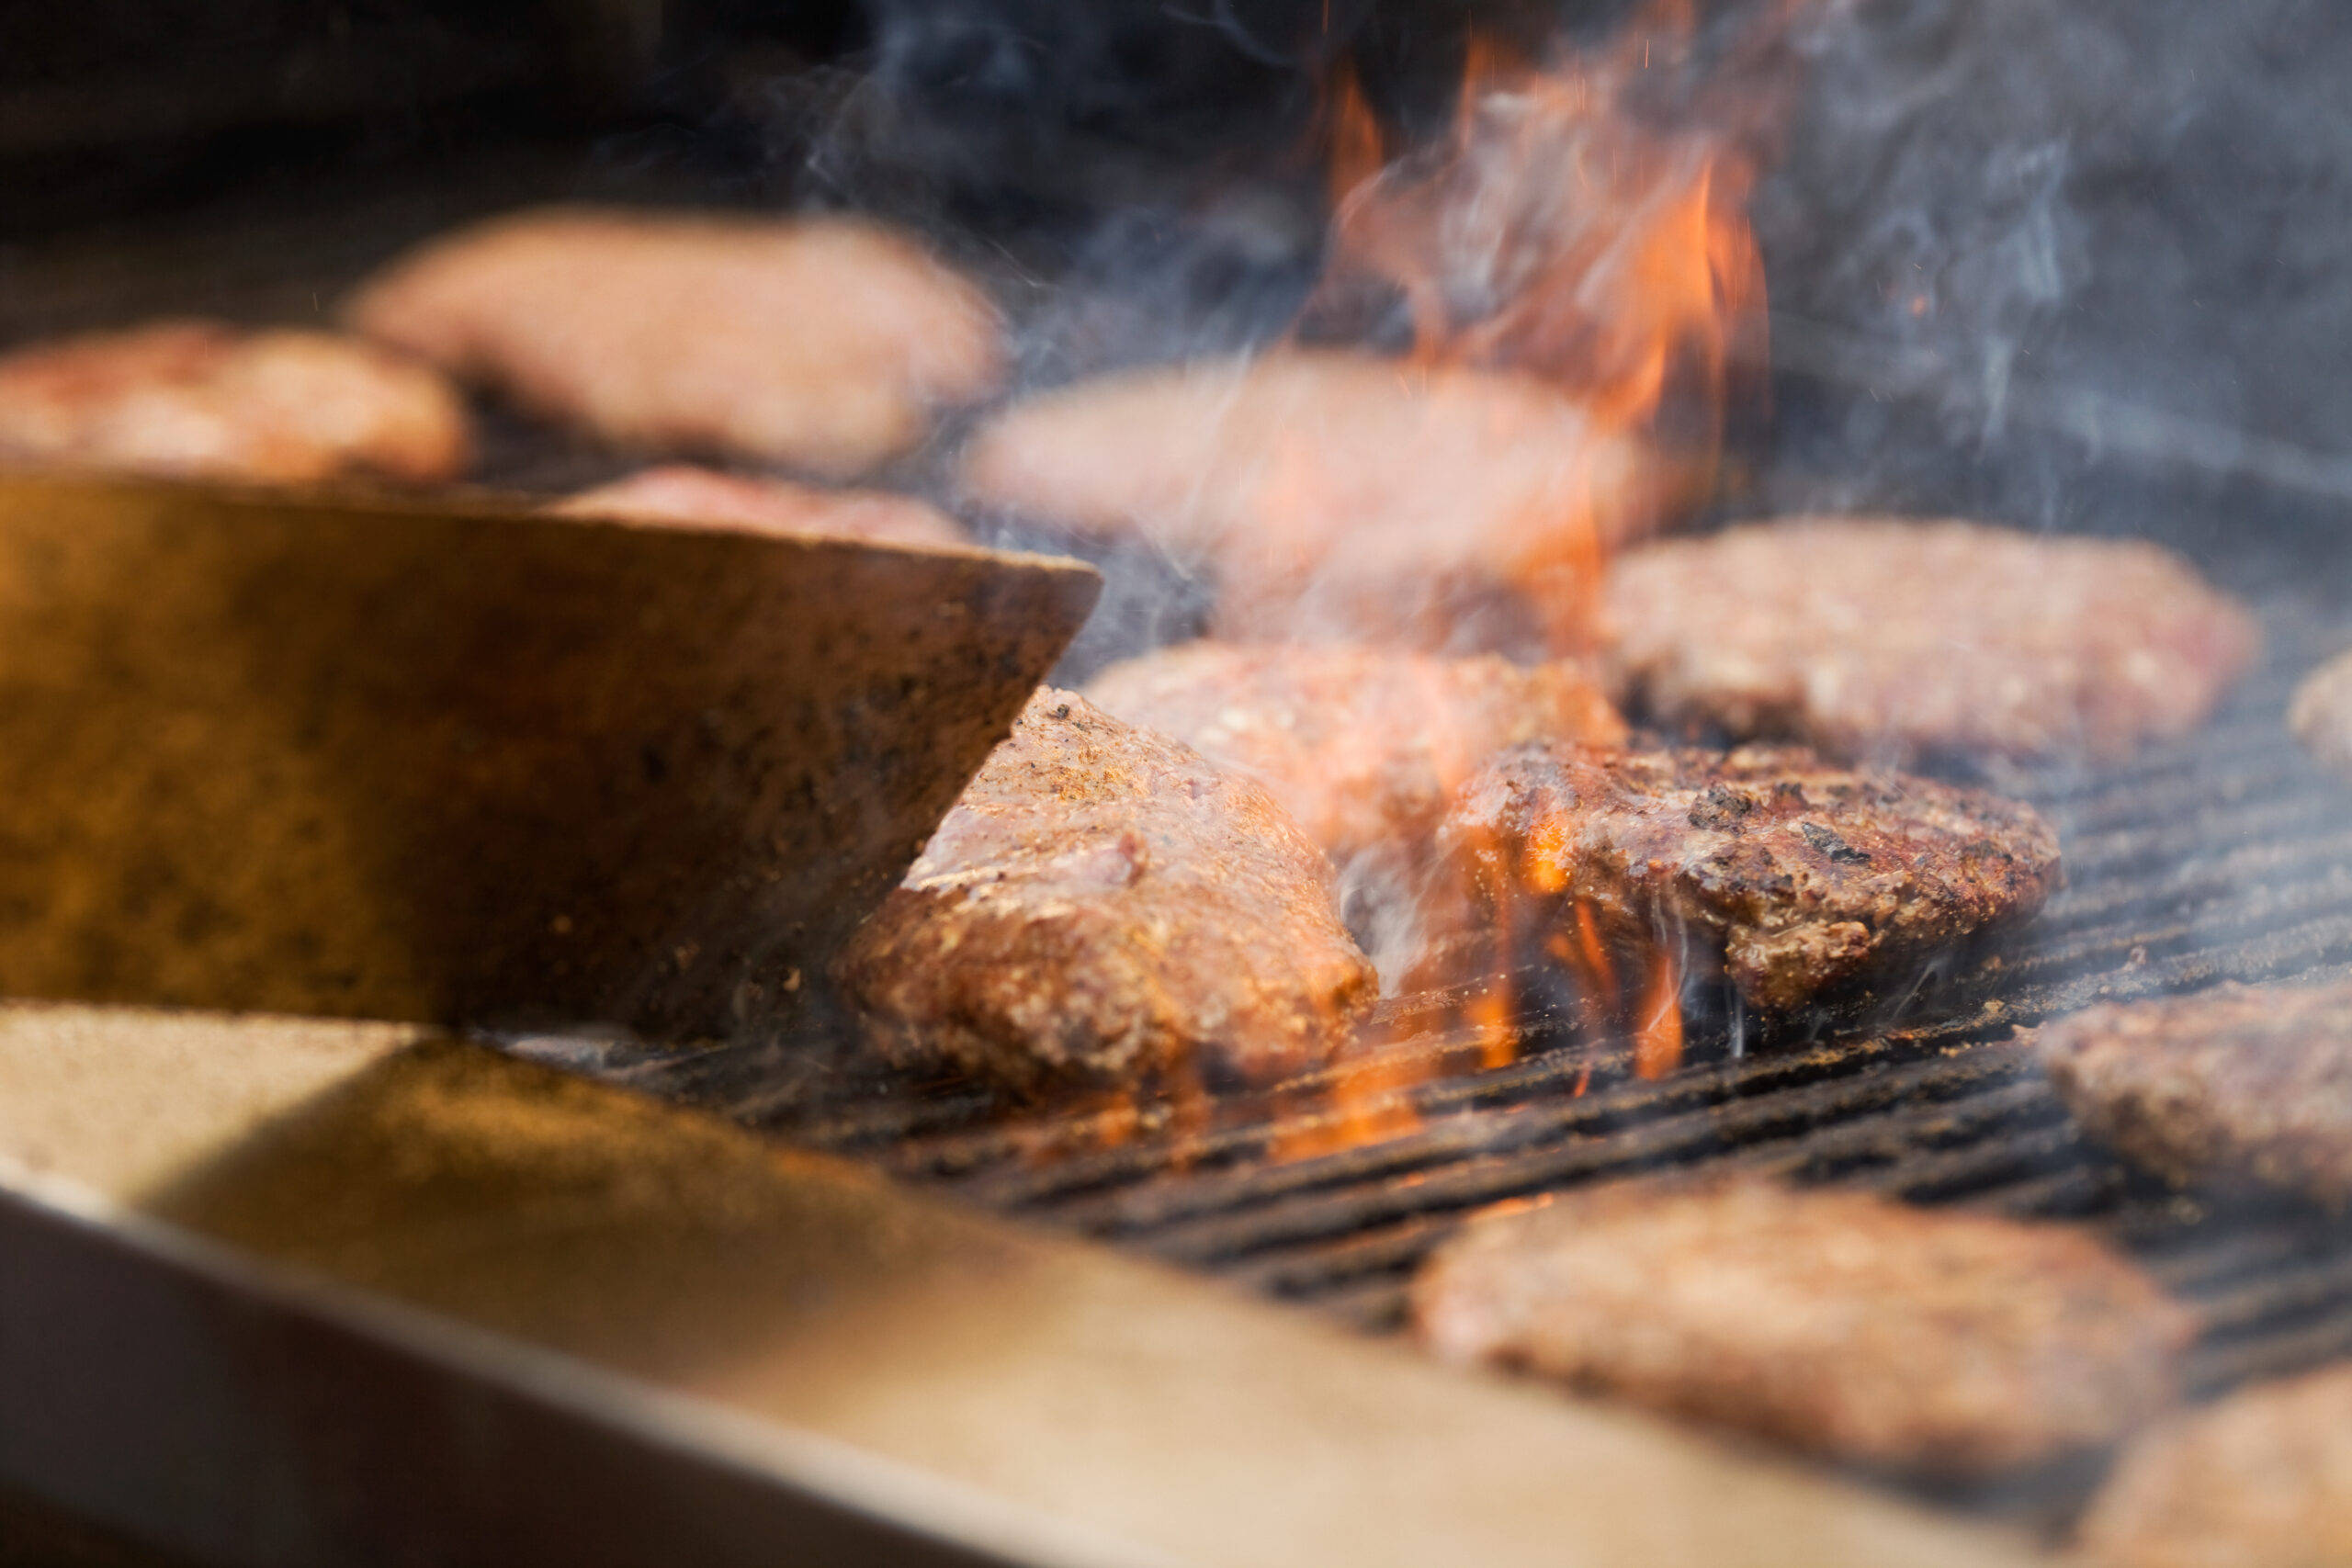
2227	856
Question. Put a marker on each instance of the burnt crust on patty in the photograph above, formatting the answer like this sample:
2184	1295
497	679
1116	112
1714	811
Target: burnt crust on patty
1103	906
2240	1083
1931	1342
1807	878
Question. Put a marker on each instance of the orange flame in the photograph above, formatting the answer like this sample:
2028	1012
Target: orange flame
1492	1017
1358	146
1563	230
1559	233
1658	1033
1596	956
1366	1103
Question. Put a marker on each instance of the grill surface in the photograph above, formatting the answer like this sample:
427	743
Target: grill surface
2228	856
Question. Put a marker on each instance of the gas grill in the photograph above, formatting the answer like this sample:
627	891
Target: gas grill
2225	856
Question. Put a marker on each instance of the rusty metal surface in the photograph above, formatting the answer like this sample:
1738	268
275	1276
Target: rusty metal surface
390	1286
403	760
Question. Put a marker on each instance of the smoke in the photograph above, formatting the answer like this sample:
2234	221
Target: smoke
2021	254
2009	245
2013	246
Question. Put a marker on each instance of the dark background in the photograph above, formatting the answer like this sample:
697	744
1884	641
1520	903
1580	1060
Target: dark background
2074	263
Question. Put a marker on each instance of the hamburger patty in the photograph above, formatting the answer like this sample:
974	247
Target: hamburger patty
1805	876
2320	714
1889	640
2248	1082
1363	748
205	399
676	492
1101	906
1336	496
1931	1342
2262	1479
820	344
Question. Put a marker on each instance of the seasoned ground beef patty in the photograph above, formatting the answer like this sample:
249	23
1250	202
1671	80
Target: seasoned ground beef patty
2247	1082
1363	747
677	492
2262	1479
2320	714
1805	877
1101	906
821	343
1336	496
205	399
1888	640
1925	1341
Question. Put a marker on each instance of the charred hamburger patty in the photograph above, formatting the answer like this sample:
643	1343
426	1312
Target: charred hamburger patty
2239	1081
1887	640
820	344
1336	496
676	492
1363	748
1926	1341
203	398
2261	1479
1103	906
1806	876
2320	714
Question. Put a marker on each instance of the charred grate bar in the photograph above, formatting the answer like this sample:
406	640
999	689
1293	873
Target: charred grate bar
2228	856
